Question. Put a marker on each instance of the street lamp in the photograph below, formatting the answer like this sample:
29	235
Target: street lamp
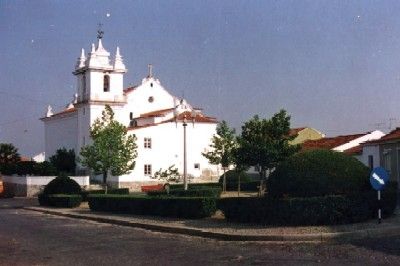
185	184
193	118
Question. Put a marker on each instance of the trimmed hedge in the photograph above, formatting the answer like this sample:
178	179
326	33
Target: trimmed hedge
118	191
318	173
191	192
158	206
248	182
327	210
62	184
60	200
194	185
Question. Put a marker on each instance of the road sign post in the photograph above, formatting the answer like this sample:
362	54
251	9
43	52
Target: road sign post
378	179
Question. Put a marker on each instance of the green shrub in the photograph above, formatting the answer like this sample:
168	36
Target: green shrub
318	173
158	206
60	200
44	169
62	184
326	210
119	191
248	182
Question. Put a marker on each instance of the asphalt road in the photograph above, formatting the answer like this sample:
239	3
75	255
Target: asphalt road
31	238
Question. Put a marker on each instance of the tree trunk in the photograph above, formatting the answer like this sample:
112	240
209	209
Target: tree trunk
105	181
261	182
240	174
224	181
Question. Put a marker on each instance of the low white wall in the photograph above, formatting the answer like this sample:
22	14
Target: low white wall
29	186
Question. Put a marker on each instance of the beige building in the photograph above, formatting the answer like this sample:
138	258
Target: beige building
304	134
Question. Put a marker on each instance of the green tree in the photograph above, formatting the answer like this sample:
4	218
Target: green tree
265	142
8	158
113	150
64	161
223	145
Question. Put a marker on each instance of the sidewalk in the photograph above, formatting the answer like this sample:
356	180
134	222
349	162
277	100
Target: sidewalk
217	228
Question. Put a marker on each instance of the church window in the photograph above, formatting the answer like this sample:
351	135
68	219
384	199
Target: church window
151	99
106	83
147	169
147	143
151	84
130	116
196	166
84	111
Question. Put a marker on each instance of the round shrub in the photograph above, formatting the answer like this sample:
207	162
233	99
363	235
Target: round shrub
62	184
318	173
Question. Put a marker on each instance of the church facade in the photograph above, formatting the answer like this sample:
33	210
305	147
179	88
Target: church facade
150	112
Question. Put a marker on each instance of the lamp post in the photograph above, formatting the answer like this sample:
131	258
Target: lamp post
185	184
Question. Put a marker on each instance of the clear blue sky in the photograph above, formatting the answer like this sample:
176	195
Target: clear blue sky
333	65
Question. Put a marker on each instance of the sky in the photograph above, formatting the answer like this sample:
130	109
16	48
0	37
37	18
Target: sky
333	65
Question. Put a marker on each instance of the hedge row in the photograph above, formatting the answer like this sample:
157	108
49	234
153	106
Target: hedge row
60	200
118	191
230	185
326	210
191	192
158	206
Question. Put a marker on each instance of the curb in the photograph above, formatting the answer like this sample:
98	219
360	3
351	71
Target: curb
319	237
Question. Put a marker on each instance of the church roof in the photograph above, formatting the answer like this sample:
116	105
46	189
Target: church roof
157	113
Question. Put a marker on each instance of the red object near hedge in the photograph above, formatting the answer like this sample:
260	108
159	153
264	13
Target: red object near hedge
158	187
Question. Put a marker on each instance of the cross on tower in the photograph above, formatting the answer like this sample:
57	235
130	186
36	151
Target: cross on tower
150	66
100	32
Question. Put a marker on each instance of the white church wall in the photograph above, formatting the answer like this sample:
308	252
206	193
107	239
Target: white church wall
139	101
60	133
167	149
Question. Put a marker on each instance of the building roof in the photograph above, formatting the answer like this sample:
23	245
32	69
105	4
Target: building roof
354	151
329	143
157	113
130	89
393	135
295	131
63	112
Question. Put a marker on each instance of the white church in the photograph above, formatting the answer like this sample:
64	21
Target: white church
149	111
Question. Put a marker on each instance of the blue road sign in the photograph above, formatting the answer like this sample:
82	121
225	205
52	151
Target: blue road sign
378	178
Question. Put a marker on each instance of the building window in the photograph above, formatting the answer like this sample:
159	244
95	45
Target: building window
147	143
106	83
147	169
387	161
197	166
151	84
371	162
151	99
130	116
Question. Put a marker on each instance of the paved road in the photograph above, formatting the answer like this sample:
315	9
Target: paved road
31	238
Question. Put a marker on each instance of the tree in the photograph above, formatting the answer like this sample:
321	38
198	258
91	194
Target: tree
223	145
265	142
64	161
8	157
112	150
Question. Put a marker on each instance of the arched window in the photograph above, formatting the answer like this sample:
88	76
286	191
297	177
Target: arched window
106	83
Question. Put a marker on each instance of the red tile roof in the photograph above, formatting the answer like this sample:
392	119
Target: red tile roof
393	135
200	118
329	143
157	113
130	89
354	151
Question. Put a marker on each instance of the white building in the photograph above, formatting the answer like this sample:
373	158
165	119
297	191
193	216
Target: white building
151	113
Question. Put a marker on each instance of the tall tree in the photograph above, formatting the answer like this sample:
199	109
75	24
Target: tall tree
223	145
113	150
64	161
8	157
265	142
